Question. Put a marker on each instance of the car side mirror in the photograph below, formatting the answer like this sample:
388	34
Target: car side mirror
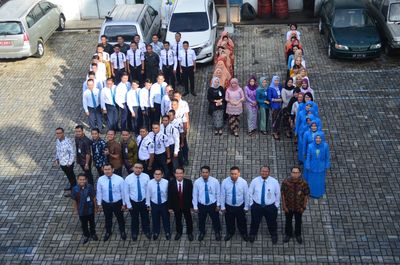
155	13
214	25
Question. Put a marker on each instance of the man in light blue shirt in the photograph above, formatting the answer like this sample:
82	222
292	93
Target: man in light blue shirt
234	203
91	105
206	192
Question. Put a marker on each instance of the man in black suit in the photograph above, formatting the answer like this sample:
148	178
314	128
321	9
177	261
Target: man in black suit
180	202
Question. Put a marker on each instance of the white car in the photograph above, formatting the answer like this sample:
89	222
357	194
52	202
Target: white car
197	24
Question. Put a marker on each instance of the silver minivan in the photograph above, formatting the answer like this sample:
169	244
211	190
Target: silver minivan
128	20
26	25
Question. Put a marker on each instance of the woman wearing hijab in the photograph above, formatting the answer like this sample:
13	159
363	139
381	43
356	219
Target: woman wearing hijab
234	97
275	97
309	136
305	87
225	37
287	92
317	162
222	73
250	92
287	95
223	54
216	99
300	134
263	105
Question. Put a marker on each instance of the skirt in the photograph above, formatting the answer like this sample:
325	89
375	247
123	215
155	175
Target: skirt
218	119
233	121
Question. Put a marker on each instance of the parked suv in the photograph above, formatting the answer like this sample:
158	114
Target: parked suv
26	25
387	14
128	20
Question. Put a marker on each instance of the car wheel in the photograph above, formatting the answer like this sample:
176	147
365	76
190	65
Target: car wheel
61	25
330	54
320	27
40	49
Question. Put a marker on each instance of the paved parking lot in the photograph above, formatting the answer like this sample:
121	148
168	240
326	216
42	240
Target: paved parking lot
357	222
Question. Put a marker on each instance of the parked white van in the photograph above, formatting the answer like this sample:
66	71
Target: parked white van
198	25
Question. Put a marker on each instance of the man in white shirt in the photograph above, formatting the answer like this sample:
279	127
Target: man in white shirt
162	155
135	192
156	201
118	64
91	105
177	47
133	104
141	45
145	150
108	104
144	100
120	100
173	136
187	59
91	75
234	203
182	113
166	100
157	92
168	64
264	199
135	59
206	201
111	199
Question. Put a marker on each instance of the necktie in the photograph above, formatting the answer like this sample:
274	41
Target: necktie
137	98
139	195
134	58
93	100
110	195
140	143
113	95
166	57
180	194
149	99
117	60
165	132
158	193
234	194
206	193
263	194
155	140
177	49
186	59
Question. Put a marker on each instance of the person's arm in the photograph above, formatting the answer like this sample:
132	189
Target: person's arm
122	189
129	102
126	193
246	197
277	195
99	194
148	195
223	196
84	103
194	61
250	193
152	96
218	194
195	195
71	153
102	100
160	64
175	63
175	135
307	164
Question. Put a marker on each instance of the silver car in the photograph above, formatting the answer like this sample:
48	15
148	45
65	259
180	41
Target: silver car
26	25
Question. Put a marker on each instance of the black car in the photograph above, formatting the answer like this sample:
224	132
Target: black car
349	29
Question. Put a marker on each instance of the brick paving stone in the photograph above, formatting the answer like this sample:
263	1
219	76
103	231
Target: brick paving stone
355	223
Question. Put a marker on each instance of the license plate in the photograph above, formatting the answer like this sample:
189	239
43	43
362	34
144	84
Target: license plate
5	43
359	55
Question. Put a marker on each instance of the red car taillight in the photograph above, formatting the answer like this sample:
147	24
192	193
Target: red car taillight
26	37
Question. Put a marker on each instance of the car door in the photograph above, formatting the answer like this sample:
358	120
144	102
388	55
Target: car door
154	20
384	10
34	21
50	19
213	21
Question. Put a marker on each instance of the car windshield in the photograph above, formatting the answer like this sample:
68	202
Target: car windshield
345	18
189	22
10	28
394	12
126	31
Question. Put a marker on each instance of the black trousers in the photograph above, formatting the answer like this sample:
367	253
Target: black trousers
110	209
88	173
134	122
178	75
188	219
174	161
235	214
270	212
184	152
155	114
139	208
146	122
188	78
168	72
118	75
123	117
209	210
297	223
160	161
95	118
69	172
85	221
112	117
136	74
160	211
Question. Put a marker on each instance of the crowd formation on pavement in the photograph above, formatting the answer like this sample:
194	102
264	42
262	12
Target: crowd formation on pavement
134	90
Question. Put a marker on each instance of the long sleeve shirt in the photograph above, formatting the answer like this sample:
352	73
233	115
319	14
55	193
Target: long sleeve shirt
133	100
65	154
165	105
103	185
120	94
151	193
107	96
144	98
172	134
157	91
199	194
132	189
241	190
88	100
272	191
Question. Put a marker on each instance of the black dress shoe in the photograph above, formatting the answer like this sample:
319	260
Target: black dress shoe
228	237
218	236
274	240
252	238
185	94
95	238
123	236
107	236
134	237
155	236
245	237
201	237
168	236
299	239
85	240
148	235
193	93
178	236
286	239
190	237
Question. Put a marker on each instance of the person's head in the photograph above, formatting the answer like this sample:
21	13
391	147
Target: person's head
110	82
117	49
94	66
234	173
295	49
79	131
155	127
185	45
169	89
264	82
264	172
295	172
297	60
314	126
124	77
135	84
300	97
148	84
298	81
138	168
205	172
82	179
304	83
154	38
120	40
171	114
165	120
99	48
215	83
158	174
252	81
95	132
225	38
91	75
90	84
275	81
174	104
318	139
234	83
110	135
143	132
100	56
95	59
134	45
308	97
177	95
149	48
104	39
125	135
178	37
60	133
166	45
160	78
293	26
108	170
179	173
289	82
